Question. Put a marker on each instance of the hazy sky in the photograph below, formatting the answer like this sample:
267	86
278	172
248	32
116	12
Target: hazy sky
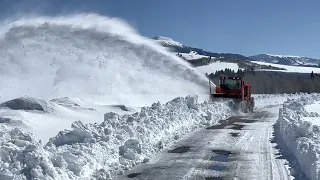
248	27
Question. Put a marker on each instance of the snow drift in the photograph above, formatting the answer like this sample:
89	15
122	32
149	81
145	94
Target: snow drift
99	150
89	56
301	138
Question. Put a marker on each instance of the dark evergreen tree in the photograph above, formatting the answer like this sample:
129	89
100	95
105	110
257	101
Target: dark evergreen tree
312	75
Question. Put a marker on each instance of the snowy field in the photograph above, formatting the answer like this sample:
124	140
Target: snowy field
295	69
192	56
46	118
313	108
217	66
300	132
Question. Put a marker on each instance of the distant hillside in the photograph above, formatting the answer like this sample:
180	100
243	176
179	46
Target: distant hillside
287	60
199	57
269	58
181	48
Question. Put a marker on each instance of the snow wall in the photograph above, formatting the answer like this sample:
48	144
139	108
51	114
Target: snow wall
301	138
92	57
96	151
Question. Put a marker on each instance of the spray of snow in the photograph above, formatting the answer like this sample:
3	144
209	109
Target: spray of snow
89	56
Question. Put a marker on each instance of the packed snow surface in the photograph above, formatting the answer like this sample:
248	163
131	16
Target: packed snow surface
296	69
302	137
97	58
217	66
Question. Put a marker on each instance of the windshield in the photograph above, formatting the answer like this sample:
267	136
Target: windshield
231	84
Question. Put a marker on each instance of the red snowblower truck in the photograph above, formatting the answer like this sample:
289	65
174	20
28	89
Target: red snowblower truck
233	88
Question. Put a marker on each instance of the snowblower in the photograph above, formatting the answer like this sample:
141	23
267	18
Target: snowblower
236	89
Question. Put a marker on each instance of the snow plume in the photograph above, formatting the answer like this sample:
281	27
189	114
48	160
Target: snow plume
89	56
96	151
301	138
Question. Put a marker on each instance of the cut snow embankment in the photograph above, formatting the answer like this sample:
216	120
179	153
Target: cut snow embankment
99	150
272	100
300	136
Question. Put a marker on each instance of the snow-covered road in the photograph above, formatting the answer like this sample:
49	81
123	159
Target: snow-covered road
240	148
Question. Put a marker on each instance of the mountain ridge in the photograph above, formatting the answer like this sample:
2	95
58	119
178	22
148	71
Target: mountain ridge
178	47
181	48
287	60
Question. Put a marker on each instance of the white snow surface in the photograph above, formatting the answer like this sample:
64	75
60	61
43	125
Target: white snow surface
95	150
97	58
193	56
58	114
313	108
168	41
284	56
272	100
217	66
296	69
301	136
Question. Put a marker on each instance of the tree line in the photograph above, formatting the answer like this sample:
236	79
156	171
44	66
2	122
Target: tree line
270	82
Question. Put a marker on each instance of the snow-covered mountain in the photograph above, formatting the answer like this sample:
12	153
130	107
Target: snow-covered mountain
178	47
166	41
286	60
181	48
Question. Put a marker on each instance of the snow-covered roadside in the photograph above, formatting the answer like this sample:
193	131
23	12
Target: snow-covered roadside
313	108
97	150
300	136
273	100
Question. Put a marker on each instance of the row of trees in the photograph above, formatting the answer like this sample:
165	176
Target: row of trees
229	72
274	82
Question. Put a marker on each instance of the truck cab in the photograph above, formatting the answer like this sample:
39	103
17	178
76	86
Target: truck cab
234	88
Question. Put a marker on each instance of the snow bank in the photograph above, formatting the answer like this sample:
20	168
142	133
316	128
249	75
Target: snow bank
272	100
99	150
300	136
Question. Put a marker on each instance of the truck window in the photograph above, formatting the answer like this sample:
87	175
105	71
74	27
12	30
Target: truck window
231	84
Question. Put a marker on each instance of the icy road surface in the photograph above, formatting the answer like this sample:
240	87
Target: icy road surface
242	147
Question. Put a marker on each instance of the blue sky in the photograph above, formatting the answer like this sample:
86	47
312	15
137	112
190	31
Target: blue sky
248	27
